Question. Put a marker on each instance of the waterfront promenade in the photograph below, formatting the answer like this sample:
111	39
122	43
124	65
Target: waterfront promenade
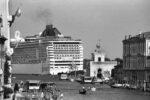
103	91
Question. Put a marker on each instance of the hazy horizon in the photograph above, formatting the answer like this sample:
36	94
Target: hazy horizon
88	20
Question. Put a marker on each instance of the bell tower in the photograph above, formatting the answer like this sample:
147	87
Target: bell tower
99	55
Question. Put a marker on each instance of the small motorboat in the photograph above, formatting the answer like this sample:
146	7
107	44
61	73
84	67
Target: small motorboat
117	85
82	91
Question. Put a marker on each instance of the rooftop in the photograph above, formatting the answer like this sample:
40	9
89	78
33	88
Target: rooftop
139	37
106	62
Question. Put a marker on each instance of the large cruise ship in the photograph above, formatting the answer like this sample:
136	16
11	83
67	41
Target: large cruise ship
48	53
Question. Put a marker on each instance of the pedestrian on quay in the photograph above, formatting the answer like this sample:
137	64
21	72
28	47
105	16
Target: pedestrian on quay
42	95
61	96
16	88
21	83
21	86
83	90
93	80
144	85
14	96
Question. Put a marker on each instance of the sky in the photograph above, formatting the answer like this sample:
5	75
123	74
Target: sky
89	20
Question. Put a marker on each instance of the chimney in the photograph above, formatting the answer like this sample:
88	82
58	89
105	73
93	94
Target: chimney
49	26
125	37
129	36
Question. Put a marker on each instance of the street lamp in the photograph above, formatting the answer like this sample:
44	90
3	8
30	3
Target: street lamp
6	21
2	41
17	14
8	53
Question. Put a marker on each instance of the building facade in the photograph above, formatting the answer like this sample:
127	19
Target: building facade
136	58
117	72
98	67
65	55
53	51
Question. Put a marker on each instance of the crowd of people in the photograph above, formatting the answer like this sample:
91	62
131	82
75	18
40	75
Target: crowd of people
44	93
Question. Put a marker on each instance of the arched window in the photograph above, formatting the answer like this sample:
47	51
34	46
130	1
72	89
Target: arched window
99	59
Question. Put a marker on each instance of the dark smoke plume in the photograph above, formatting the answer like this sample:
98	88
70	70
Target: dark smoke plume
38	11
43	14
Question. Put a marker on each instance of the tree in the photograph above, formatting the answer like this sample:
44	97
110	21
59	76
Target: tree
112	72
119	60
107	59
7	91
